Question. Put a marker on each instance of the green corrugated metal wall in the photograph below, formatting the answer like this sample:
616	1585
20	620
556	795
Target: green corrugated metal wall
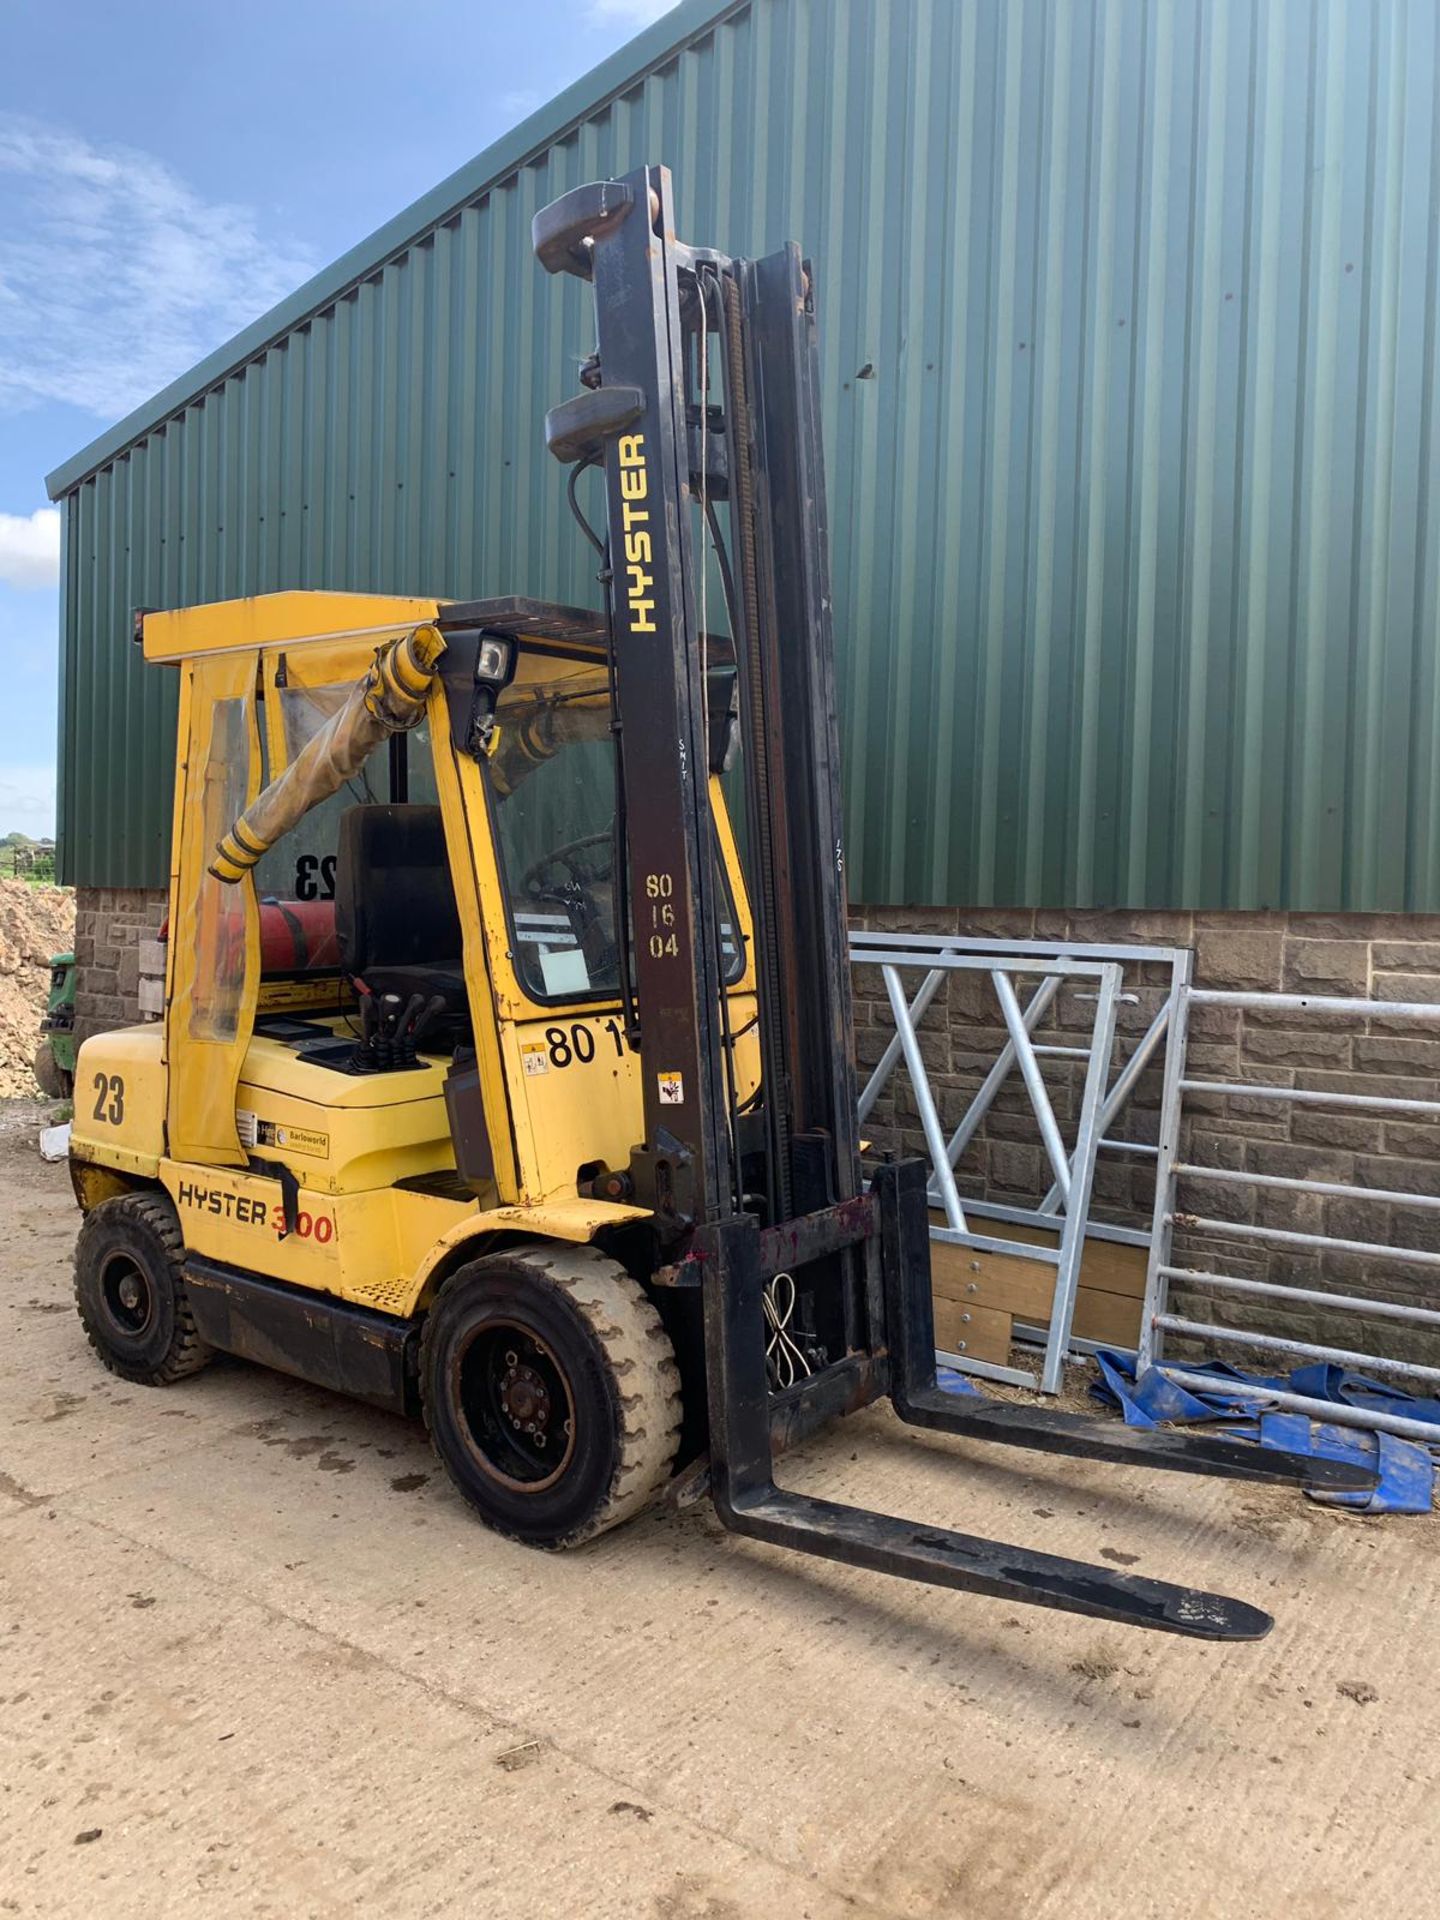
1128	328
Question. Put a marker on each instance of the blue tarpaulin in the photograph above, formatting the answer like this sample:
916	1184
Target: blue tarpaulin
1405	1469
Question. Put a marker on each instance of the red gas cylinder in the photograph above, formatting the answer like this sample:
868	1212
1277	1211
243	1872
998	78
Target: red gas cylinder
298	936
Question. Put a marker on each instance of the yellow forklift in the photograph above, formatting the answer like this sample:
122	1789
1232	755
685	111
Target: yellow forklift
492	1084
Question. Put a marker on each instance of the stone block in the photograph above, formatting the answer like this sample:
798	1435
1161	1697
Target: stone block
1266	919
1235	1122
1423	987
1134	1017
1292	1212
1399	1174
1360	1133
1297	1160
1388	1086
1406	956
1366	926
1204	1147
1219	1059
1117	927
870	1045
1417	1229
1215	1023
1113	1185
970	999
1018	1169
996	923
1413	1140
1239	956
1411	1053
911	919
1216	1199
868	983
1296	1047
1013	1126
1326	966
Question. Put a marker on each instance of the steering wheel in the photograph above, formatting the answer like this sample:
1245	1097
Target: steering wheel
574	868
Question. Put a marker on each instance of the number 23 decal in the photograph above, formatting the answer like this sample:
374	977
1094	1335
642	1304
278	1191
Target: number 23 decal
110	1098
315	876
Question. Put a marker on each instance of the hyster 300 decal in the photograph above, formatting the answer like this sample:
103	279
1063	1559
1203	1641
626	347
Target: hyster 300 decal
246	1211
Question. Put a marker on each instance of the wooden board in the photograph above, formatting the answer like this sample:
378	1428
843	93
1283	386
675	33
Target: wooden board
973	1331
1107	1305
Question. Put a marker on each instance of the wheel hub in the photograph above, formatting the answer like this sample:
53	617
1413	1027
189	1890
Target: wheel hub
128	1297
525	1399
515	1399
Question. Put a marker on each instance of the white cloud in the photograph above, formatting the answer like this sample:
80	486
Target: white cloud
115	275
635	13
27	800
30	548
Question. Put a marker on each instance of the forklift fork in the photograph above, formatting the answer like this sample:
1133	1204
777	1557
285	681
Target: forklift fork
920	1401
749	1502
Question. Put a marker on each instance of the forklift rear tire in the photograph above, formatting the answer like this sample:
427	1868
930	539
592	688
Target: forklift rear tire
130	1291
551	1392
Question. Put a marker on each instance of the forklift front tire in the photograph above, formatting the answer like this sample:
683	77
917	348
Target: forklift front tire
130	1291
551	1392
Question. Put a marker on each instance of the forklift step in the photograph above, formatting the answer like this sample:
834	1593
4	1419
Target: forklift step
885	1544
1046	1430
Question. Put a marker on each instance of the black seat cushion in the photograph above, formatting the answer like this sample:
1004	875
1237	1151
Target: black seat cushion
395	915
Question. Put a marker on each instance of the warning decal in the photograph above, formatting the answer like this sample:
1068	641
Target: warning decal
672	1089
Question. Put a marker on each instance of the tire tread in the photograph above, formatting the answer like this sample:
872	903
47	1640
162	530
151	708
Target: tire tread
188	1352
638	1353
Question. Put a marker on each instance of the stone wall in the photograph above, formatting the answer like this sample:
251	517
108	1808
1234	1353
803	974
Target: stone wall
110	923
1389	956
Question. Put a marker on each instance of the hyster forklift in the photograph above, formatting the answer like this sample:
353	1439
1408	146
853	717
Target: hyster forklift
492	1083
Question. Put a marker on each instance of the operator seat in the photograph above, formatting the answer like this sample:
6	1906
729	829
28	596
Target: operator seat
395	915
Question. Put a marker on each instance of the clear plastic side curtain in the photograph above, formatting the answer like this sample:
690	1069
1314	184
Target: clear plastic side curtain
214	958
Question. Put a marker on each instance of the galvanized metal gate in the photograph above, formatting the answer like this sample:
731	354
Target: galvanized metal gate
1036	970
1174	1171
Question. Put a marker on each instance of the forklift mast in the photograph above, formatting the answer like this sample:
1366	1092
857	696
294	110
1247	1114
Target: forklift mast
703	392
702	395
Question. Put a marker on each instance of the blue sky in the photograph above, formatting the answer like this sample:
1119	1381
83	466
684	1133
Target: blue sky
167	173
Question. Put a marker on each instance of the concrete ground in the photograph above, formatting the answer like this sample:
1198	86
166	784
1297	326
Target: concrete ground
255	1658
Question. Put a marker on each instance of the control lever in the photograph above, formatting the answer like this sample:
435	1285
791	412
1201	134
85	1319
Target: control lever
427	1017
402	1039
389	1022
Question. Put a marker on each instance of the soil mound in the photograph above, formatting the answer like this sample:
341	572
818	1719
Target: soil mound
35	922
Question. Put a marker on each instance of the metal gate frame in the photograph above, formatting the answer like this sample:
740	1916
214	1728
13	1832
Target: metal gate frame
1067	1202
1157	1320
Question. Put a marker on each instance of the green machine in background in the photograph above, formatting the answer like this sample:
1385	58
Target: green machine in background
55	1055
